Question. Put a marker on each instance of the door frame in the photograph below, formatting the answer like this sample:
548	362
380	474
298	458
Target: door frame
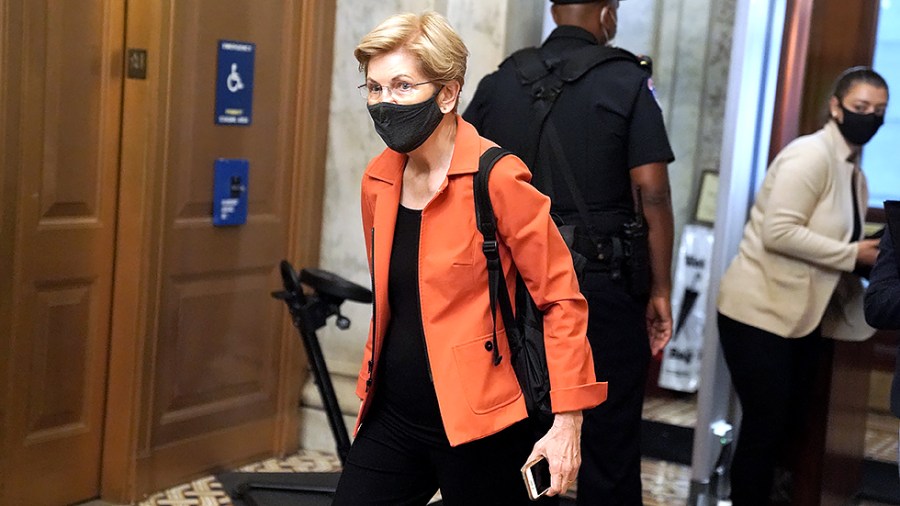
137	267
822	38
8	186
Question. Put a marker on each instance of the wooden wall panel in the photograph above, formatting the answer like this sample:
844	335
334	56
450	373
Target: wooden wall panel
217	355
839	37
821	39
62	325
10	64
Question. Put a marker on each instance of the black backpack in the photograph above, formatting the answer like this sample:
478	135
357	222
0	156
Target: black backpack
525	327
546	78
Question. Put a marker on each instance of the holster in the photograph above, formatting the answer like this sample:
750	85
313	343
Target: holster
625	256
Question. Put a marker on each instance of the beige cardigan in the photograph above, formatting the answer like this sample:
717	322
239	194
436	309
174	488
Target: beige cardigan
793	267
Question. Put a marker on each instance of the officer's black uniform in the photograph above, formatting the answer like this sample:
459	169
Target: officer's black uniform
609	122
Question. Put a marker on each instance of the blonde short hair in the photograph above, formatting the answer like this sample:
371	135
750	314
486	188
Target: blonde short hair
439	49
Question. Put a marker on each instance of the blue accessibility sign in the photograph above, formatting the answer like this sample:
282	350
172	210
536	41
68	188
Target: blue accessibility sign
234	83
230	190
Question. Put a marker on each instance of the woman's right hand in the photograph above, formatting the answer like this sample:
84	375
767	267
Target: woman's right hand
867	251
560	447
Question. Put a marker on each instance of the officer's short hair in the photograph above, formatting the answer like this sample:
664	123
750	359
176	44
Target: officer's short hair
439	49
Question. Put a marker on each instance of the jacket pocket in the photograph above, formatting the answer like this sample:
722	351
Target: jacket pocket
486	387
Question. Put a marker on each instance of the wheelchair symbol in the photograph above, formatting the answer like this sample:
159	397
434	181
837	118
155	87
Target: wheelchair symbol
234	82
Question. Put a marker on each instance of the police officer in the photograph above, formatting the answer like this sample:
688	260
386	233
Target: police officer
609	128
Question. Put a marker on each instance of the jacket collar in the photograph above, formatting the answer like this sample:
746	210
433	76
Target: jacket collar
841	149
568	35
389	165
466	150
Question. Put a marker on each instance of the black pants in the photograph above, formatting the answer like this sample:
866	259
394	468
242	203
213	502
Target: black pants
773	378
610	472
389	465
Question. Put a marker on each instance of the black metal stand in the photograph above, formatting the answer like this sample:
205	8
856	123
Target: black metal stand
309	312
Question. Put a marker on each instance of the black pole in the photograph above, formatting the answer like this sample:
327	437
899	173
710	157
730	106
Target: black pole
304	319
309	314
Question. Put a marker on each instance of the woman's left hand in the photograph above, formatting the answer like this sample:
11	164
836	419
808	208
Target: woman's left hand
561	446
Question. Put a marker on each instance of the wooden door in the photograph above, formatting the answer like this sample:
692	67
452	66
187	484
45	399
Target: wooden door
60	120
139	346
205	372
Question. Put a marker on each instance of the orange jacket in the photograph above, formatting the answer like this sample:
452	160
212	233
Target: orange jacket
476	398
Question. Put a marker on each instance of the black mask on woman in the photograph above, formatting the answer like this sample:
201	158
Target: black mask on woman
859	128
406	127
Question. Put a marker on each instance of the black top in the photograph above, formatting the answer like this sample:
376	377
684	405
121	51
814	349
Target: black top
405	389
608	121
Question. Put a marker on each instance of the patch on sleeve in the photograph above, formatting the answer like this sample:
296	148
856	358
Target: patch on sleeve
653	91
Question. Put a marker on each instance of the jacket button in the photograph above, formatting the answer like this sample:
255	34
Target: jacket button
489	346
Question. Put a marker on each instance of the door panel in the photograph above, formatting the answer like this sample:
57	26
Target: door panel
66	162
216	359
218	377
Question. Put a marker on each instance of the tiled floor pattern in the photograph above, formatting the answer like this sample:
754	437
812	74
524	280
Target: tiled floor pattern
675	410
881	437
665	483
208	492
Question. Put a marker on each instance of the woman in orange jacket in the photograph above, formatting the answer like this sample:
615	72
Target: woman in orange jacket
438	411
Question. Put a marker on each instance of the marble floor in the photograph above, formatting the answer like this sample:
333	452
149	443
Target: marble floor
881	428
665	483
881	444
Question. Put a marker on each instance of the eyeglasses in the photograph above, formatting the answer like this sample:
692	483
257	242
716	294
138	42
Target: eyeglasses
399	90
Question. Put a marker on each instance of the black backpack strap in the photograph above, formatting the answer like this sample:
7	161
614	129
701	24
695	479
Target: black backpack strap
562	165
546	75
545	89
537	72
588	57
487	225
484	211
530	65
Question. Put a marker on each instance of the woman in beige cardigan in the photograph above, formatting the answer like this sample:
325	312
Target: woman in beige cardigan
791	282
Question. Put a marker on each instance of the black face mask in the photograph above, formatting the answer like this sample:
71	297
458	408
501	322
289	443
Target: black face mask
406	127
859	128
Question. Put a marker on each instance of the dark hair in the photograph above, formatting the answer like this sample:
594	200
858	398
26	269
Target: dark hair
856	75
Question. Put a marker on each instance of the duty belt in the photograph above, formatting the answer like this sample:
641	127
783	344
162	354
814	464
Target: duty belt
608	256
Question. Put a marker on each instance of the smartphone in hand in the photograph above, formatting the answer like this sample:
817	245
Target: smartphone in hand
537	477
